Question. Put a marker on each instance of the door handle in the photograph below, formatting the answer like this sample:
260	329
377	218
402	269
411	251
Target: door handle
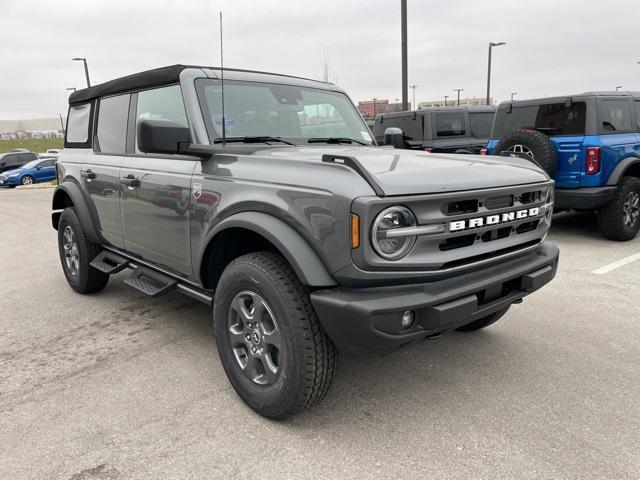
130	181
88	174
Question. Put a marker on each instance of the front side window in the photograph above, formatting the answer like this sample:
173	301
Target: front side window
450	124
78	123
161	104
615	115
111	133
298	114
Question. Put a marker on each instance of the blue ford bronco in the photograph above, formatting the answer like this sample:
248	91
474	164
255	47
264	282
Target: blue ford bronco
590	144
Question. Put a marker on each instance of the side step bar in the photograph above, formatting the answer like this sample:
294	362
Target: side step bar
109	262
146	278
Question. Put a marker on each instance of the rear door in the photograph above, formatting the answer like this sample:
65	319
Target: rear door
157	191
100	171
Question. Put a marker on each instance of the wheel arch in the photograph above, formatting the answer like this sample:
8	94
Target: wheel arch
628	167
69	194
247	232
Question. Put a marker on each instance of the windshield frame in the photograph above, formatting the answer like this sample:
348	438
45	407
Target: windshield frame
202	83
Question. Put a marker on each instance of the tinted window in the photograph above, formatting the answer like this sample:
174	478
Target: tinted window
78	123
47	163
26	157
552	118
480	124
637	115
161	103
11	159
450	124
410	125
112	124
615	115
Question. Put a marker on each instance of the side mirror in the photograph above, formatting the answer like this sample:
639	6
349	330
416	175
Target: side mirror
162	136
394	136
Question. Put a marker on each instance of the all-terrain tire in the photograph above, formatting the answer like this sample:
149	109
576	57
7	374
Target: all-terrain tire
484	321
541	148
307	364
611	216
84	279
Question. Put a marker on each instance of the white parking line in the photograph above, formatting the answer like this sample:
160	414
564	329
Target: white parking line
616	264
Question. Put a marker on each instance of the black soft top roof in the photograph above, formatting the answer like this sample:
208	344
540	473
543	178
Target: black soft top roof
155	78
148	79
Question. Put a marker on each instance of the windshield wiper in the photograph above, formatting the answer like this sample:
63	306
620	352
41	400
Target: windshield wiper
335	140
255	139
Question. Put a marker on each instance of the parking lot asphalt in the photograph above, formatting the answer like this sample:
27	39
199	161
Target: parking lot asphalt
122	386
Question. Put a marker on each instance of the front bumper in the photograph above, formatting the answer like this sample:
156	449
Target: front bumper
366	322
583	198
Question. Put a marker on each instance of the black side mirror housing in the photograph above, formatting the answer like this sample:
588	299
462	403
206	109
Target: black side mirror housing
162	136
394	136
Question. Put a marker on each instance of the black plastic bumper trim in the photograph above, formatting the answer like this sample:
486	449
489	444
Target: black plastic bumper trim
584	198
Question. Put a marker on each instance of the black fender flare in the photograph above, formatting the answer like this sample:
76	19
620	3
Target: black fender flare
302	258
621	168
73	191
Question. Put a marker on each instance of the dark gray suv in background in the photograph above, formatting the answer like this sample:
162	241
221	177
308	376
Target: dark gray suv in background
275	206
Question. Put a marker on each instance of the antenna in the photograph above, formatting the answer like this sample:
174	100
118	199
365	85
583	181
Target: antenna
224	120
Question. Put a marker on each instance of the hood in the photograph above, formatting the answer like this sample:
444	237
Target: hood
8	173
408	172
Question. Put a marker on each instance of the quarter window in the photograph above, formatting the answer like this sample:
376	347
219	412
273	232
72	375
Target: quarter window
161	104
112	124
450	124
78	123
480	124
615	116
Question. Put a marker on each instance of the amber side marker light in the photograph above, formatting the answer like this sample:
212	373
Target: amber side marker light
355	231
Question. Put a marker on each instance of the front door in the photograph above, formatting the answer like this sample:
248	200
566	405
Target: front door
157	190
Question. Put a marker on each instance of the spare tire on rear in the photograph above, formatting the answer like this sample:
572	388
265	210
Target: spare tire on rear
531	145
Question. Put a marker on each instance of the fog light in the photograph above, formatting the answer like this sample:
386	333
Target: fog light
407	319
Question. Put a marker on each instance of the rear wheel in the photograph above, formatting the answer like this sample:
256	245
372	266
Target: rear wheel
484	321
27	180
76	252
271	344
620	218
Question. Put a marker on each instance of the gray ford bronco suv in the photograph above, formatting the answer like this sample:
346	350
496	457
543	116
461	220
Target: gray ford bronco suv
266	197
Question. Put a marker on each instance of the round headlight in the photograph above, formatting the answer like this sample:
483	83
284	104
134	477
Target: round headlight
385	243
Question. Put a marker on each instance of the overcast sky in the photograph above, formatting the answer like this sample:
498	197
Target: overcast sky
553	46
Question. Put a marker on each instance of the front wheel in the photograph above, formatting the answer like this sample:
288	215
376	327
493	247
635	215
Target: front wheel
484	321
270	341
620	218
27	180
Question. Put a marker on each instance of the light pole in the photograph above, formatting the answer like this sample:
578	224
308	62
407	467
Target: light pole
374	107
71	89
413	87
513	94
403	42
86	69
458	90
61	123
618	88
445	100
491	45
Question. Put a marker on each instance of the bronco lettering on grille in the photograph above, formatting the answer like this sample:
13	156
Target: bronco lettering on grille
506	217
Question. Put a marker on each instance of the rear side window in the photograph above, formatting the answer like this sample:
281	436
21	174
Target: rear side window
615	116
566	118
163	104
450	124
480	124
111	132
411	126
78	123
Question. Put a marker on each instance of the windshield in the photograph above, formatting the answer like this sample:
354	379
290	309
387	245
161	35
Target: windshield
297	114
31	164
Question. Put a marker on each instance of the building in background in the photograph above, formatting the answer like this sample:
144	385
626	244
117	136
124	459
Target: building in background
32	128
371	108
452	102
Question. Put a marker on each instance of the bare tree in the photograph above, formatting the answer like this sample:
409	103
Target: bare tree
326	74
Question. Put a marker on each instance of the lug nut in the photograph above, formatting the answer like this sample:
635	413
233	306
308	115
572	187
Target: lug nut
248	337
254	349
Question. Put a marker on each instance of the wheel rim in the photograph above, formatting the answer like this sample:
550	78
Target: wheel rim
631	209
71	254
521	150
255	338
27	181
